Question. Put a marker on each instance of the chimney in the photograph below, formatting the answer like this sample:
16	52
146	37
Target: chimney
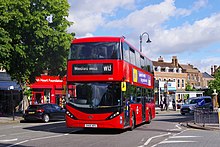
215	67
175	61
212	70
160	59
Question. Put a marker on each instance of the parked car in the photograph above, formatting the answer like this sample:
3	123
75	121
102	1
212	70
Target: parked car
196	102
44	112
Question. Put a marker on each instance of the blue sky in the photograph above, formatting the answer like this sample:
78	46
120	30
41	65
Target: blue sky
188	29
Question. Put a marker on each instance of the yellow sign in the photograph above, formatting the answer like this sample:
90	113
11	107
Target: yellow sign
135	75
123	86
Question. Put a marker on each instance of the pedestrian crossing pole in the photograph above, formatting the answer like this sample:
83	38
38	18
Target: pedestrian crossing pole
219	117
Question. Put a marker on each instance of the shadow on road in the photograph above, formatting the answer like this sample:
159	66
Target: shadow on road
60	127
178	118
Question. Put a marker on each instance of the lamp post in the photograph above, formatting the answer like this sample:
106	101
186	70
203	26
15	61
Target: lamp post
148	39
12	100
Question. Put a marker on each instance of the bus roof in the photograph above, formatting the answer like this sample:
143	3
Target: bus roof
97	39
105	39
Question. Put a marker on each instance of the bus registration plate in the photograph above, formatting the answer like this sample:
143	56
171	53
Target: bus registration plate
91	125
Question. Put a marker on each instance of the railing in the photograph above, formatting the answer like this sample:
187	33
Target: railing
205	116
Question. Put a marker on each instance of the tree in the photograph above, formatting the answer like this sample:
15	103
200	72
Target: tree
33	38
189	87
215	84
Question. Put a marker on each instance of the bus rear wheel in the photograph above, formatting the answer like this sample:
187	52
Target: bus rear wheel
149	118
133	122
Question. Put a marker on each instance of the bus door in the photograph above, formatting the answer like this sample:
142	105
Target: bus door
127	113
143	108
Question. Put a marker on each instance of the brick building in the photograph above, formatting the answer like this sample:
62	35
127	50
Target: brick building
175	76
194	76
214	69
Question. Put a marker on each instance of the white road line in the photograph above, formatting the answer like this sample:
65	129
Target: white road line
183	136
178	126
18	143
22	133
2	135
47	137
148	141
175	141
9	140
176	129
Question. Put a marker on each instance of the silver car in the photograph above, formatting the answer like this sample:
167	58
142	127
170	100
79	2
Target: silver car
195	102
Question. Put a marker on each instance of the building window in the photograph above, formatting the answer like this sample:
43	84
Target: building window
167	69
158	68
178	83
183	83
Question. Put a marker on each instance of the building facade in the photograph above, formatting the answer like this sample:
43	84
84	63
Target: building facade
48	89
194	76
169	74
175	76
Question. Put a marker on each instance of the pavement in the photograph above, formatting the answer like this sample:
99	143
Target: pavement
6	119
190	124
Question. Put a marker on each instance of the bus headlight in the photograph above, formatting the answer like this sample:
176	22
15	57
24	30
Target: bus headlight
70	115
113	115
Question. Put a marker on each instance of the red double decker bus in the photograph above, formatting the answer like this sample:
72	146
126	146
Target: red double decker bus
109	84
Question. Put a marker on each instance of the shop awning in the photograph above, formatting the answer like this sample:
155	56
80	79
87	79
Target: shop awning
4	85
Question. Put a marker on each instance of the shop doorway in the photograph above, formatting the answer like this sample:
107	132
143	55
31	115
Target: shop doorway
38	97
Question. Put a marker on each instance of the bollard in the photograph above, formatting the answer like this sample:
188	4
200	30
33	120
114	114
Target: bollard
219	116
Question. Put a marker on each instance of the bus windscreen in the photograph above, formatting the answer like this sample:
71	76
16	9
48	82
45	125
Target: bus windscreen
93	95
94	50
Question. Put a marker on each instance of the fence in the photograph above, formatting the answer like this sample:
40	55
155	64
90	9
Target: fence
205	116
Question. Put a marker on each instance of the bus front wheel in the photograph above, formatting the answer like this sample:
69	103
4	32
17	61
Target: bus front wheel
132	122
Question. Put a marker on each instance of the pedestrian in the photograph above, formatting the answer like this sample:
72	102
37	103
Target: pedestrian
165	103
161	104
174	105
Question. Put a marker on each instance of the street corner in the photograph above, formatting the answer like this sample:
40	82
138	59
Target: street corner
211	127
7	120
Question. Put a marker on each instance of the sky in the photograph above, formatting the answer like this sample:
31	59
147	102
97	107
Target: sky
188	29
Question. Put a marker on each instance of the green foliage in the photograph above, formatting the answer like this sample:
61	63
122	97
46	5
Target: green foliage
33	37
189	87
215	84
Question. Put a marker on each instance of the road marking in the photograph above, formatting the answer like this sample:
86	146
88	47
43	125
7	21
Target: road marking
18	143
148	141
2	135
9	140
184	136
178	128
46	137
175	141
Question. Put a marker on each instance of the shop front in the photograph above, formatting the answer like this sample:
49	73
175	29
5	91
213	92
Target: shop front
48	89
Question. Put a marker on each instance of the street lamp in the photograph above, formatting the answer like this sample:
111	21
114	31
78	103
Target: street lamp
12	100
148	40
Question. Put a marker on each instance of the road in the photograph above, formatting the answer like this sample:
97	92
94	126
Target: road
163	131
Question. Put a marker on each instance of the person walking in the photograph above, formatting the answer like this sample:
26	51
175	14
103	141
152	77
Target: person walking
174	105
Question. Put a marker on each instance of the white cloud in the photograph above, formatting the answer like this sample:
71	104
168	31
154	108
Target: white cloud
88	15
149	17
206	63
188	37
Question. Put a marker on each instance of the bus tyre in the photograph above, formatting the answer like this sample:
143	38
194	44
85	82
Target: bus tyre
46	118
132	122
149	118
